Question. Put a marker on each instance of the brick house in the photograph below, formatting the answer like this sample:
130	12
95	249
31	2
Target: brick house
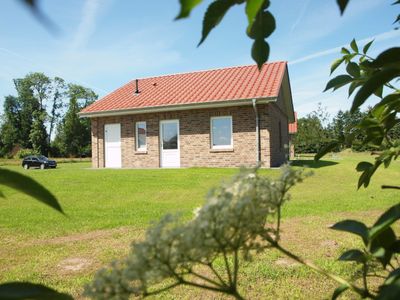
226	117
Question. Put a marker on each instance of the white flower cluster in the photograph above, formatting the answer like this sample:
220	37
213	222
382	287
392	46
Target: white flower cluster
233	219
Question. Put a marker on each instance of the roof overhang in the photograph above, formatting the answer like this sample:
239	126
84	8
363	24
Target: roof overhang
287	96
168	108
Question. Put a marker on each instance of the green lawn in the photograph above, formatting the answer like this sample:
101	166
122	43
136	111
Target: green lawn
107	209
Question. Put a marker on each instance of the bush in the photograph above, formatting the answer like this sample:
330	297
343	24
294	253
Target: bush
25	152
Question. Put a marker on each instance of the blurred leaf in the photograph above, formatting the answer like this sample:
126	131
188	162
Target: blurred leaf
393	276
390	291
260	52
345	51
390	57
186	8
339	291
342	5
28	186
353	69
336	64
252	8
383	241
389	100
355	84
354	227
213	16
353	255
372	84
33	6
326	149
349	57
379	91
365	177
338	82
264	25
32	291
397	20
354	46
366	47
364	165
385	220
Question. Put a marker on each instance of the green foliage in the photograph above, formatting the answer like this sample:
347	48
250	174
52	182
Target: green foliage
24	153
261	23
311	132
73	137
236	220
27	290
38	135
31	118
380	246
213	16
378	128
186	8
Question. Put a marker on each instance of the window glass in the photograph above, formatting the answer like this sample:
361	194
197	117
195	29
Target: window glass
221	132
141	133
169	136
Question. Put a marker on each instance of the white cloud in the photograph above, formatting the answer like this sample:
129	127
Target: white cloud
379	37
301	15
87	24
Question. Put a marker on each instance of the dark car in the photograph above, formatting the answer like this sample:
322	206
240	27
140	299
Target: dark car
38	161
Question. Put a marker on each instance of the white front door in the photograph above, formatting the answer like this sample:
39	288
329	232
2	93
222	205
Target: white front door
169	144
112	145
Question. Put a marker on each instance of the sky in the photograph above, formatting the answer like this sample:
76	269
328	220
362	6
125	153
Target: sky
102	44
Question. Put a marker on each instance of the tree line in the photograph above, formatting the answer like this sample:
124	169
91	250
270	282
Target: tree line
318	129
43	118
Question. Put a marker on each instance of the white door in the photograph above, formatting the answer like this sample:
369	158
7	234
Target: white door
112	147
169	143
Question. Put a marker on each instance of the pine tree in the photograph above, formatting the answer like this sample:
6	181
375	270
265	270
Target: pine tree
38	134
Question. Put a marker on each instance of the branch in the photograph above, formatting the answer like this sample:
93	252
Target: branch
216	274
146	294
362	292
206	279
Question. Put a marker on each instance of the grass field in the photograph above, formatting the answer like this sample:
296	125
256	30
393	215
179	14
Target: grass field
107	209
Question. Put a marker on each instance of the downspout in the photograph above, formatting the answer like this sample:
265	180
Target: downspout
257	131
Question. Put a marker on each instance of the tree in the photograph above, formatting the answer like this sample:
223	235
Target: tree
31	117
28	105
38	134
313	131
11	125
58	94
310	134
73	137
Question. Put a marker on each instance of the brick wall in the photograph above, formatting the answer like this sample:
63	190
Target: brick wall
195	138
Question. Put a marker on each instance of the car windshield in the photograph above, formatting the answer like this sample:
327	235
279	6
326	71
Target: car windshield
42	157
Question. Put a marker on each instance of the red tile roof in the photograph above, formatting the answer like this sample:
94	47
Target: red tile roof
234	83
293	126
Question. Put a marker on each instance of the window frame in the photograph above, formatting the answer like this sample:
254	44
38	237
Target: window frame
137	136
212	134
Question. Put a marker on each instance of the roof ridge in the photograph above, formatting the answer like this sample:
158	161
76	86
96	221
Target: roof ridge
209	70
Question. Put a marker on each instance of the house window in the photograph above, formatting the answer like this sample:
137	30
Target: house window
280	135
141	133
221	132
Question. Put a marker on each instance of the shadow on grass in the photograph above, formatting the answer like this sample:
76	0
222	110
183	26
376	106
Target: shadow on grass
310	163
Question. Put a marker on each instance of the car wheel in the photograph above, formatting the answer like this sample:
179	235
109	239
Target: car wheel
26	166
42	166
